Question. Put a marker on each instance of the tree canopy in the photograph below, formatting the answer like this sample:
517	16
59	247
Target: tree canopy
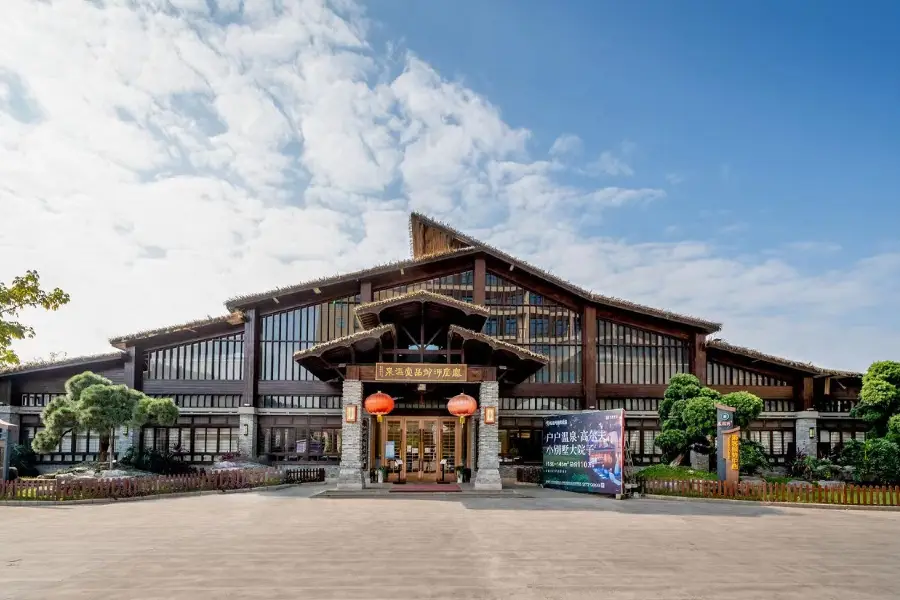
879	399
93	402
25	292
687	415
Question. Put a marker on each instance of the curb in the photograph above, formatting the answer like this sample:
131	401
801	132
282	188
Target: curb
42	503
876	508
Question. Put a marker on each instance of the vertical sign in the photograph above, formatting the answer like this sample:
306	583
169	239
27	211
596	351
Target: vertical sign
584	452
728	440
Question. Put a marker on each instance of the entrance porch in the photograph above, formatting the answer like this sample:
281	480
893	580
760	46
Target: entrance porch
428	347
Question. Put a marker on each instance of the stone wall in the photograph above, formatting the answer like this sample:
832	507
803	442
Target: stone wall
806	420
351	475
247	432
487	477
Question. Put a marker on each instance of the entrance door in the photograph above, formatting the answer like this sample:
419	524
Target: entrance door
414	448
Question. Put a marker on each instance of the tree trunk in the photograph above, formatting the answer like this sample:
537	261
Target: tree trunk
104	448
112	448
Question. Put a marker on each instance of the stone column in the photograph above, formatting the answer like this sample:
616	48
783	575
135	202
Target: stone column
8	437
806	420
351	475
247	432
126	437
487	477
699	462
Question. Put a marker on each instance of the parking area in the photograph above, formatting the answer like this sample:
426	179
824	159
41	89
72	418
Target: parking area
283	544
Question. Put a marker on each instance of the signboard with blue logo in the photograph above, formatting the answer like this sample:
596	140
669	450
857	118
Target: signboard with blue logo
584	452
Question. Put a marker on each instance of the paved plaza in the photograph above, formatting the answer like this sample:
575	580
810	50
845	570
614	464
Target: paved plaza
282	544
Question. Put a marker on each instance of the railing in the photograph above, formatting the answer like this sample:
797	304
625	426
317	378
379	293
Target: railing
311	475
92	489
806	493
834	405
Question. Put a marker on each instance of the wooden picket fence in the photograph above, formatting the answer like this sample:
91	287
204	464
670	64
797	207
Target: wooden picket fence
778	492
92	489
304	475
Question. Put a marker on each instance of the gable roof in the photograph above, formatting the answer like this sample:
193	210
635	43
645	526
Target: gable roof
248	299
196	326
419	223
720	344
75	361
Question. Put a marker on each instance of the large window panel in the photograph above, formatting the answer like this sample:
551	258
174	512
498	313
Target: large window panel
629	355
722	374
219	358
286	332
459	286
523	317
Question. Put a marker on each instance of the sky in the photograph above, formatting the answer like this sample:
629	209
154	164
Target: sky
739	162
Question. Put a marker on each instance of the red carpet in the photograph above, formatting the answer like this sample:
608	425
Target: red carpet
425	487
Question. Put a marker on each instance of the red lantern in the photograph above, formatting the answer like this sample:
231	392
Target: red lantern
462	406
379	404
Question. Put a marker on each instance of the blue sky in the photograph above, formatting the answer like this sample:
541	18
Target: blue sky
785	115
733	161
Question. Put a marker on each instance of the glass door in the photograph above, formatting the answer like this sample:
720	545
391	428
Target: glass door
413	461
429	470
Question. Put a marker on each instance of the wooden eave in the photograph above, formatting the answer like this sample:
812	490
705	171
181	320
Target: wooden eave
328	361
92	360
347	284
751	358
514	363
421	304
175	334
419	222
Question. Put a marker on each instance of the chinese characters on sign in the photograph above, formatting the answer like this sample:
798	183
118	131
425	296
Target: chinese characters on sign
735	452
429	373
584	452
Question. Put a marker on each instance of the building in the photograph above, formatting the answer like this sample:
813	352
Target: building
275	376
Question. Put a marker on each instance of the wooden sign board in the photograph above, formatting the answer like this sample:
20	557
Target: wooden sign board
420	373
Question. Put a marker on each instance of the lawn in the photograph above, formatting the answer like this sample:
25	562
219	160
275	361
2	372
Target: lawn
673	473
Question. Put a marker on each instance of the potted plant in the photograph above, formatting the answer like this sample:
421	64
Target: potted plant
460	473
383	473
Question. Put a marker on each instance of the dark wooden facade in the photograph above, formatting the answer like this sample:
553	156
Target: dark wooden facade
603	353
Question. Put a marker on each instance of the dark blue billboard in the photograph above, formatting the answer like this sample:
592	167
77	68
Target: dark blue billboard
583	452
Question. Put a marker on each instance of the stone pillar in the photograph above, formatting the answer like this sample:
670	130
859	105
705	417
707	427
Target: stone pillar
487	477
8	437
126	437
699	462
806	421
247	432
351	475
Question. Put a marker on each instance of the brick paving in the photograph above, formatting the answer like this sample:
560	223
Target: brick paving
282	544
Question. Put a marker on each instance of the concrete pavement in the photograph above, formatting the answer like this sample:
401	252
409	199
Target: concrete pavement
283	544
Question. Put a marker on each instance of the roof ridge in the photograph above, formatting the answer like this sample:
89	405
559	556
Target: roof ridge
571	287
63	362
722	344
426	294
237	301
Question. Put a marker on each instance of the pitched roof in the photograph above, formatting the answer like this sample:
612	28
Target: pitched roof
122	340
347	340
239	301
417	220
498	344
720	344
368	314
39	365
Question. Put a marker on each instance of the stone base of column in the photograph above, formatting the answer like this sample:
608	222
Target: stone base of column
351	479
247	432
488	479
699	462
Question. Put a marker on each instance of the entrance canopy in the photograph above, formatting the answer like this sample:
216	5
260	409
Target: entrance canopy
416	328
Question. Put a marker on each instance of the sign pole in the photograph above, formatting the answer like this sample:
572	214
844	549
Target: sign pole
728	440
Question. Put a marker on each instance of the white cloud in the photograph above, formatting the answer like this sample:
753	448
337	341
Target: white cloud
567	144
155	161
675	178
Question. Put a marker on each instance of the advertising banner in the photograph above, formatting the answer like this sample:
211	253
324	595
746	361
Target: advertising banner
584	452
